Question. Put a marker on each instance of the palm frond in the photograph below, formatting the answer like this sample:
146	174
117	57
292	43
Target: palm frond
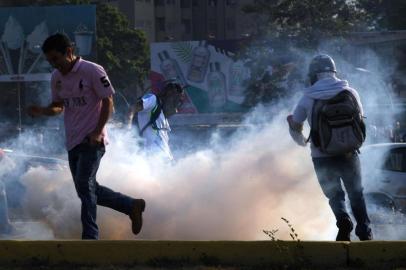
183	51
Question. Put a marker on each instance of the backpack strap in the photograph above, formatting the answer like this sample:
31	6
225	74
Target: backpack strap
355	101
156	111
313	123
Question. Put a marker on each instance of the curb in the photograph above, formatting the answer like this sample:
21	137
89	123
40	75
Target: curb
212	253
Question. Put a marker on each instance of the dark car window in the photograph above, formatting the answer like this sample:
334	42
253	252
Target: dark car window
395	160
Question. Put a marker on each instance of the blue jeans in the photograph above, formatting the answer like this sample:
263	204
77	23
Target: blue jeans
330	171
84	161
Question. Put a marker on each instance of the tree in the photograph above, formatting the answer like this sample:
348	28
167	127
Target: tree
384	15
270	63
286	24
122	51
307	21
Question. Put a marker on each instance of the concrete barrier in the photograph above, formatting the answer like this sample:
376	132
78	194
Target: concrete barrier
225	253
377	254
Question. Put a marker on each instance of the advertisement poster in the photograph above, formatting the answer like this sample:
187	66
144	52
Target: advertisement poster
24	71
214	81
24	29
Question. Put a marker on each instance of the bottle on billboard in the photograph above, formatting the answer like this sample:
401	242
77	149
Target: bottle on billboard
199	63
170	67
237	74
216	82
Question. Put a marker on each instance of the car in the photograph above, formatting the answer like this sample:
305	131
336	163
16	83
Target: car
384	179
13	165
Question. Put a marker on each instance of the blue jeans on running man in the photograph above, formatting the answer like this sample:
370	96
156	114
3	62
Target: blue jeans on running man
84	161
330	171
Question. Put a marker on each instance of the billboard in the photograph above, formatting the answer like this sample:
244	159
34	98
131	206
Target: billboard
213	80
24	72
23	30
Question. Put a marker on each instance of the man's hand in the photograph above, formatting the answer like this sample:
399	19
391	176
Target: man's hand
137	107
129	118
35	111
295	131
52	109
95	137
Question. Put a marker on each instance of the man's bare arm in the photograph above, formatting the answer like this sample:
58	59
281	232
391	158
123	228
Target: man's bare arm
296	131
137	107
53	109
105	113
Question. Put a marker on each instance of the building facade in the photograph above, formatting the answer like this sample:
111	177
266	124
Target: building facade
176	20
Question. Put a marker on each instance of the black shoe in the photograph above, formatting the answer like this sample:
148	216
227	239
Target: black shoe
366	236
344	229
136	215
343	235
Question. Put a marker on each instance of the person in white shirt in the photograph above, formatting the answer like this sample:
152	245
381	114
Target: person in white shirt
153	111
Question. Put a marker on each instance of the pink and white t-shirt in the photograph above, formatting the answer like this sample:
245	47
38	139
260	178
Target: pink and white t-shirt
81	91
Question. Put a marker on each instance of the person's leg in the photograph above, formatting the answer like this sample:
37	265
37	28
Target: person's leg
114	200
5	226
84	161
351	171
330	183
122	203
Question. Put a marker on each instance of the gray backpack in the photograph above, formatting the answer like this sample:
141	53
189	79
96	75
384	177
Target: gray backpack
337	124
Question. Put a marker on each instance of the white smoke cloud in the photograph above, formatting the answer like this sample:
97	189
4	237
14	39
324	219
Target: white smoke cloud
231	189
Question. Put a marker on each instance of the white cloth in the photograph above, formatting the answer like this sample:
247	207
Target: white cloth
323	89
156	141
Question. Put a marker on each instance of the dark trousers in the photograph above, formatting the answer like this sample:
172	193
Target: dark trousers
84	161
4	220
330	172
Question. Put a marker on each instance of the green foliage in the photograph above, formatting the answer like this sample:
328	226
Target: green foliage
122	51
272	68
384	15
307	21
282	24
304	24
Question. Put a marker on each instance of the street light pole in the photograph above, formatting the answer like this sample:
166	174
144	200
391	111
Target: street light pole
19	108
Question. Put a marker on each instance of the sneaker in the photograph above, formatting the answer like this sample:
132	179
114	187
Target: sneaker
136	215
367	236
344	230
343	235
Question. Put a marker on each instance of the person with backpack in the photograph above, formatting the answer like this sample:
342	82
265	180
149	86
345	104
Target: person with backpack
334	112
153	111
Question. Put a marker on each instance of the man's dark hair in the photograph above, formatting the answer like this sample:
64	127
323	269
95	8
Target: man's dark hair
58	42
175	86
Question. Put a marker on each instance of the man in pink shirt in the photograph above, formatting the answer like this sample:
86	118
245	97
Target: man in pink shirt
83	91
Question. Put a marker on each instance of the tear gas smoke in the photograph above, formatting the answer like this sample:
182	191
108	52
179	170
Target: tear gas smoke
232	188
